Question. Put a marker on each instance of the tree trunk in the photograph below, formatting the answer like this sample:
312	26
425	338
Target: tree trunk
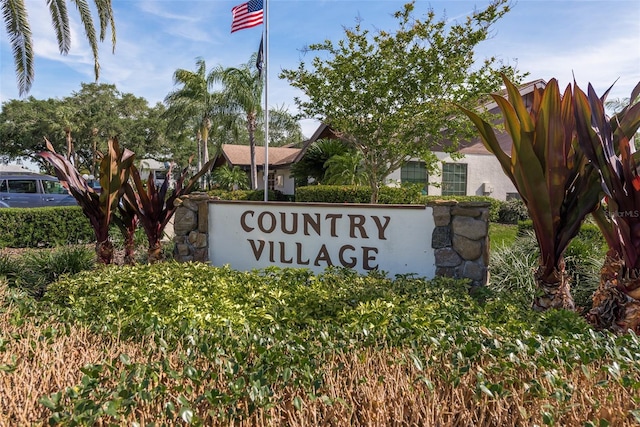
104	252
616	302
129	251
155	252
554	286
251	129
375	192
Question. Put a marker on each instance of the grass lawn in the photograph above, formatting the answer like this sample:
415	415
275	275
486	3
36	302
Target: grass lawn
502	234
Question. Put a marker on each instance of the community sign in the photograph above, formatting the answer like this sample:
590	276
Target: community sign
395	239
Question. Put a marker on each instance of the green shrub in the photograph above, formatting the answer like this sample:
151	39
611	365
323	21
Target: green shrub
524	227
333	194
39	268
253	195
494	204
218	343
408	194
512	211
44	227
512	266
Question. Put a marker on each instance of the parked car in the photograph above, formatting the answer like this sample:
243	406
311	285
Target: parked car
32	190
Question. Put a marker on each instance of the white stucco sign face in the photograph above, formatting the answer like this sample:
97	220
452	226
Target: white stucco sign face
394	239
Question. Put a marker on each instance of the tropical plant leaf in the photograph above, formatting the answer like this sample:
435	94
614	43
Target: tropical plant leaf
546	166
602	138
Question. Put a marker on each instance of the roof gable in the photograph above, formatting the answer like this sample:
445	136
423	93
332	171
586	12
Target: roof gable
240	155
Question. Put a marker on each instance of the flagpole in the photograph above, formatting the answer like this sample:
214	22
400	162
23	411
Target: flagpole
266	100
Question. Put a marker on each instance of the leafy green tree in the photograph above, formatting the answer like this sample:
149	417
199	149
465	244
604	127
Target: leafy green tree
391	94
241	98
284	128
81	123
25	123
18	29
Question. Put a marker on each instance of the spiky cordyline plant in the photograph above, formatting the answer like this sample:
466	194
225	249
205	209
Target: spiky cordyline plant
99	208
608	143
551	174
152	206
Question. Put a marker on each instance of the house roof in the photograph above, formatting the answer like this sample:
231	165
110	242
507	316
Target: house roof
240	155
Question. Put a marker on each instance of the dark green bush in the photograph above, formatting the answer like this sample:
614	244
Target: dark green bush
388	195
36	269
44	227
525	227
333	194
253	195
494	204
512	211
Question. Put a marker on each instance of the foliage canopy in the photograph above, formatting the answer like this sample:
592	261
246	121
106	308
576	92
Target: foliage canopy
390	94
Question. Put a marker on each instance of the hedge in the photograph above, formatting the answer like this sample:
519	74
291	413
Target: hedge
44	227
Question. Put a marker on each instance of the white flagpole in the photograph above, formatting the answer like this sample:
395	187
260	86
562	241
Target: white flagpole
265	70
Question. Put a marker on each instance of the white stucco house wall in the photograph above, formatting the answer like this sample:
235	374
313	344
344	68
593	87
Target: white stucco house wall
476	173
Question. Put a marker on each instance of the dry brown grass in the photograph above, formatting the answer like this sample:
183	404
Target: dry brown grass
370	388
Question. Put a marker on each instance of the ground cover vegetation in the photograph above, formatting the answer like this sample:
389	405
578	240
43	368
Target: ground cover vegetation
173	343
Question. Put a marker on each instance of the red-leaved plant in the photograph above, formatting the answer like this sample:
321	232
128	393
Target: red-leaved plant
608	144
154	206
98	208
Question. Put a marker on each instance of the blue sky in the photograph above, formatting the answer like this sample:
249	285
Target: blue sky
597	41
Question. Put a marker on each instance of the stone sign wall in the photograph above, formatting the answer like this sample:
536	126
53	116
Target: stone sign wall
460	239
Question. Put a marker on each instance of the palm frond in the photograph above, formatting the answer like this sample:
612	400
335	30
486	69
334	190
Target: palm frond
105	14
16	21
60	20
90	32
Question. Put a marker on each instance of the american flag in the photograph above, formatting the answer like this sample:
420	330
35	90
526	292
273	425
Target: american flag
246	15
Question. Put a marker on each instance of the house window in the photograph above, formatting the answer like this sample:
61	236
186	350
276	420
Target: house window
415	173
271	180
454	179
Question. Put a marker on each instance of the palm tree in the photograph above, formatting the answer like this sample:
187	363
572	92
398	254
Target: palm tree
312	166
16	22
345	169
194	101
231	178
242	95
